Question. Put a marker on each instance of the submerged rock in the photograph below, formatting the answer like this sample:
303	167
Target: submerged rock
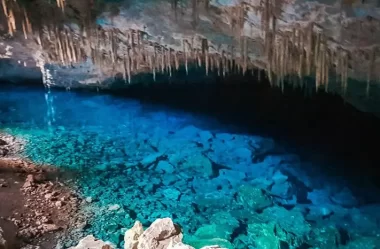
253	198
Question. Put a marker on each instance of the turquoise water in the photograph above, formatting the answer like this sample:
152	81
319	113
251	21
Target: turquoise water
139	161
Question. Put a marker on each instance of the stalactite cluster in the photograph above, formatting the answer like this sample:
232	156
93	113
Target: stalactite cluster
289	55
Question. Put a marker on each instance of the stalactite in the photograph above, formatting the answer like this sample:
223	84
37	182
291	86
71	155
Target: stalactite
128	66
11	23
231	62
245	53
61	4
316	47
185	53
212	62
112	46
286	58
301	58
327	71
162	61
224	63
344	72
176	61
370	69
29	28
68	49
197	55
72	49
269	60
218	61
277	63
170	62
154	63
309	49
323	64
60	47
5	8
207	62
24	30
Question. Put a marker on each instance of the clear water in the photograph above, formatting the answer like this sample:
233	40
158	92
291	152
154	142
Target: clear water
138	161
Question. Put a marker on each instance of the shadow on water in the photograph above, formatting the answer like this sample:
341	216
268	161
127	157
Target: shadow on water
318	126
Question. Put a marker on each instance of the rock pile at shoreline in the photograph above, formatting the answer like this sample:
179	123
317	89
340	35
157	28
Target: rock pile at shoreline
161	234
10	145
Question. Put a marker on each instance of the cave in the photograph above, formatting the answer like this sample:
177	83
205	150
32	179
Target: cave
182	124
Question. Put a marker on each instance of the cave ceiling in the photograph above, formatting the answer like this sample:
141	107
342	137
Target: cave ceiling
90	41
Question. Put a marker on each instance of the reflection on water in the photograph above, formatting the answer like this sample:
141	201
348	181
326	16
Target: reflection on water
144	162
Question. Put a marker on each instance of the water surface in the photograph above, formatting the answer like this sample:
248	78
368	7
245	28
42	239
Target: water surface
137	161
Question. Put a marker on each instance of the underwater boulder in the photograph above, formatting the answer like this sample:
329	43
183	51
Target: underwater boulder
253	198
198	163
292	221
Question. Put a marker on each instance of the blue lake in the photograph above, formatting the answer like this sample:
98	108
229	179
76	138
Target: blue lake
135	161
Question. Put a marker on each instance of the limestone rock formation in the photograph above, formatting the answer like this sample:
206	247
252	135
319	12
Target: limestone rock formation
131	237
161	234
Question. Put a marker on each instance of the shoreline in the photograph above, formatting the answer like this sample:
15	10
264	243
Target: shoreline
37	209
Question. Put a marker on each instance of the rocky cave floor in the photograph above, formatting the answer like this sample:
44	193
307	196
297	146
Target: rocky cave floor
143	163
36	208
